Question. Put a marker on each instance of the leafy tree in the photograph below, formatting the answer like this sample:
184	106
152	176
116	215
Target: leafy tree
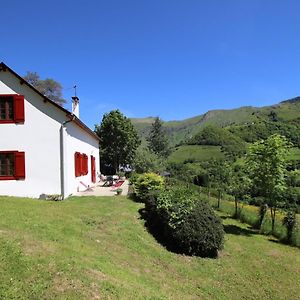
146	161
219	174
266	164
119	139
48	87
239	187
157	139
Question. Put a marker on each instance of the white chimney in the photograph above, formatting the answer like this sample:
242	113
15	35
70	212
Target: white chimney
75	106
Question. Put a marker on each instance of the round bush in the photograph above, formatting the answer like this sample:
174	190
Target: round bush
201	232
147	183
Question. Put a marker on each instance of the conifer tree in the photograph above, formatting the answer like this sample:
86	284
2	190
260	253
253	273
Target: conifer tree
157	139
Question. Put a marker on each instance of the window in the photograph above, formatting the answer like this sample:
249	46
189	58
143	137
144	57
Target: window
12	109
12	165
6	108
81	164
7	164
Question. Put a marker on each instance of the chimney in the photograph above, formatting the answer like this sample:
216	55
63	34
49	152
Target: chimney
75	106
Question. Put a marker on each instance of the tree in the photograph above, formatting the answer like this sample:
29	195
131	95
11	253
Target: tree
48	87
239	187
289	221
146	161
157	139
219	174
266	164
119	139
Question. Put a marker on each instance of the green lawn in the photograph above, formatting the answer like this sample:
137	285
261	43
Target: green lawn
98	248
249	215
195	153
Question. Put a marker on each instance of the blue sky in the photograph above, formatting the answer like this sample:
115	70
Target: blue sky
174	59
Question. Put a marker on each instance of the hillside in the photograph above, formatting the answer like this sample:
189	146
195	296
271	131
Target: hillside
98	248
179	131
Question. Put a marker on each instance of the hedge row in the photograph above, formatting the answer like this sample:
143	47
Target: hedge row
185	222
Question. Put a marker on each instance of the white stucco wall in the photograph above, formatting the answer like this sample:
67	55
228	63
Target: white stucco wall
39	137
78	141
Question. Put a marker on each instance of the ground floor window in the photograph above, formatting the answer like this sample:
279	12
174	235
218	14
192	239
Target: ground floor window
7	164
81	164
12	165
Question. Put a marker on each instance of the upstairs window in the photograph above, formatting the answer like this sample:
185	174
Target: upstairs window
12	165
7	108
12	109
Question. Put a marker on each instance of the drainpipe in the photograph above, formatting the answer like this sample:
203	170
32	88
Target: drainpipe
63	155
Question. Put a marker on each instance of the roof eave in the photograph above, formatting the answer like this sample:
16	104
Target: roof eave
4	67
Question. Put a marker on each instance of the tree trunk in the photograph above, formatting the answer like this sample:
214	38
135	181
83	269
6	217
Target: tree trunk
208	189
219	199
236	207
273	215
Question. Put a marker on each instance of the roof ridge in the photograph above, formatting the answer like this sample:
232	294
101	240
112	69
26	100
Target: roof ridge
4	67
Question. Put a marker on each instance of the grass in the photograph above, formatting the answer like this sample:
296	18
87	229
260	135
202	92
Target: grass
249	215
195	153
98	248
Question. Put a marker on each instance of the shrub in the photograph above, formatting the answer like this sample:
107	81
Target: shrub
201	232
174	203
146	183
188	224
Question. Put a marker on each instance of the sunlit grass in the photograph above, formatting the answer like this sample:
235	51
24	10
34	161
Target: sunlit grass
98	248
249	215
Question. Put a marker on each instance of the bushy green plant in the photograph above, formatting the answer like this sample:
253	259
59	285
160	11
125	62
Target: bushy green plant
174	203
201	232
187	223
119	191
146	183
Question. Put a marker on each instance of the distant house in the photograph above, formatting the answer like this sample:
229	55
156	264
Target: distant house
44	148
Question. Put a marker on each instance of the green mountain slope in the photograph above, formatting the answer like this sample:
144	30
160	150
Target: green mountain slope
179	131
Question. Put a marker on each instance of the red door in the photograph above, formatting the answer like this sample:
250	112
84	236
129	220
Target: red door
93	169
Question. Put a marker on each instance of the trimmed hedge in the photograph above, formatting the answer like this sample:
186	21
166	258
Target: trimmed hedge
185	222
201	232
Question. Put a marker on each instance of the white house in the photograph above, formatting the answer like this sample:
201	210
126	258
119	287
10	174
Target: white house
44	148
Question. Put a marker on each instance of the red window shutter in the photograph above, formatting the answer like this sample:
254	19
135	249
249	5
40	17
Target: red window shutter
19	112
93	169
19	165
86	169
77	164
81	165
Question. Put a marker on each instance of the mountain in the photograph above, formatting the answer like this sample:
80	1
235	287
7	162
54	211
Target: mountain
180	131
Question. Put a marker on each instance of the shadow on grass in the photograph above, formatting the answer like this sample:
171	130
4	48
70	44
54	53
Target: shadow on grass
157	231
237	230
284	242
276	241
234	229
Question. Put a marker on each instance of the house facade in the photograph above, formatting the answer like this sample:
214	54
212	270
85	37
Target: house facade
44	148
